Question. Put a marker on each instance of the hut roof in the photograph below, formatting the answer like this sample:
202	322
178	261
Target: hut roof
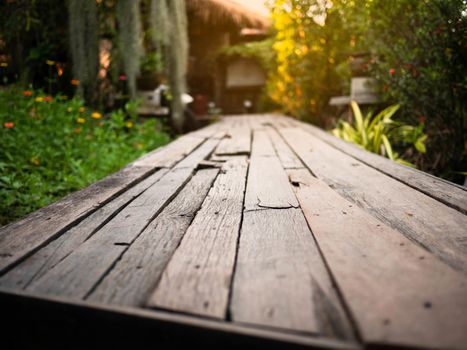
226	12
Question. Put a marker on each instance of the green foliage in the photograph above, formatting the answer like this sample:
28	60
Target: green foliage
421	62
417	51
379	134
260	50
50	147
31	33
307	52
151	62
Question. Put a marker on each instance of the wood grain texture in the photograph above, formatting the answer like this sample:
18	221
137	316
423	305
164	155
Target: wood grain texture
451	194
268	186
435	226
199	155
21	238
197	278
46	258
141	266
236	142
398	293
280	279
99	253
168	156
286	156
262	146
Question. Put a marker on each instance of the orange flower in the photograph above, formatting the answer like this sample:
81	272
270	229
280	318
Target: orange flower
9	125
77	130
392	71
48	98
82	109
74	82
96	115
27	93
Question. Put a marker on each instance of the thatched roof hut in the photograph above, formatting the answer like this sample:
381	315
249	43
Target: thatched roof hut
225	12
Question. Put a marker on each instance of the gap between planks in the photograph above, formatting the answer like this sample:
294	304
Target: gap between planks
98	254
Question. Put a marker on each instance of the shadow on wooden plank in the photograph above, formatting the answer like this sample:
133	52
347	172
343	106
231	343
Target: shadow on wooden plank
54	323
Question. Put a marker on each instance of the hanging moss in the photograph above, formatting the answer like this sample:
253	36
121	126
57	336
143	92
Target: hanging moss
159	23
84	46
130	40
177	58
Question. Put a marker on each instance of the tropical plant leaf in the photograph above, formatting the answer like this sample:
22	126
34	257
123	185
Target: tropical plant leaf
385	115
388	147
406	163
359	122
420	145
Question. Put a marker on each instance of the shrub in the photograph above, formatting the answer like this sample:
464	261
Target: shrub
421	62
381	134
51	146
417	53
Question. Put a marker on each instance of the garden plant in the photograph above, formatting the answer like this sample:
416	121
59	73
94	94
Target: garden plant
51	146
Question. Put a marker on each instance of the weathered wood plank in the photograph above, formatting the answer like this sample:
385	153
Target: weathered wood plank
268	186
139	269
98	254
21	238
448	193
169	155
435	226
287	158
167	330
262	146
397	292
208	131
197	278
280	278
236	142
46	258
199	155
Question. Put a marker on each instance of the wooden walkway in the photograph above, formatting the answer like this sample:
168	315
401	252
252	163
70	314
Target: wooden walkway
254	230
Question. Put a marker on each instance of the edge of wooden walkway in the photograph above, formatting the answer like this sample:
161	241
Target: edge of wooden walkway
287	149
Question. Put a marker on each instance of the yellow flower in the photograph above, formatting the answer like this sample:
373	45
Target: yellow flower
81	109
96	115
50	63
80	120
69	109
35	161
39	99
129	125
3	64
